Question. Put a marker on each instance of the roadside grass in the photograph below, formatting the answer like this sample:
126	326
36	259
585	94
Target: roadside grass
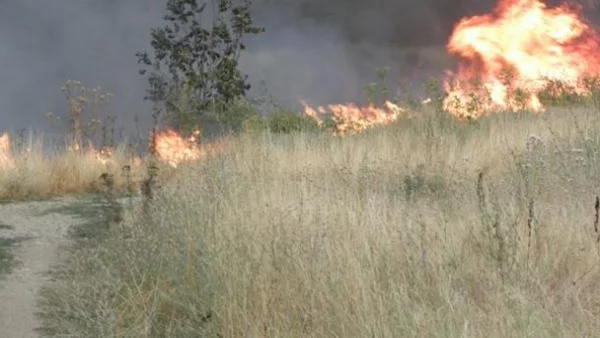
94	212
428	227
7	258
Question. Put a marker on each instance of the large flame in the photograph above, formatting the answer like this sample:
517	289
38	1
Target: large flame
170	147
6	159
515	52
351	118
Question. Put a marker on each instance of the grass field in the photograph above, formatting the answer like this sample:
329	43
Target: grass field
427	227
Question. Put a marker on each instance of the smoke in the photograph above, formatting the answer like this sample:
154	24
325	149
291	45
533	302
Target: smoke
314	50
45	43
330	51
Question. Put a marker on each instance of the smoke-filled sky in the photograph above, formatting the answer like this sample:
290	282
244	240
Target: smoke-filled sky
314	50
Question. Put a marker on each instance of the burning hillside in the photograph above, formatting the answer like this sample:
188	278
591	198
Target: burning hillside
507	59
171	148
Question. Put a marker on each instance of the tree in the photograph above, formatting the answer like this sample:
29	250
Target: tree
194	71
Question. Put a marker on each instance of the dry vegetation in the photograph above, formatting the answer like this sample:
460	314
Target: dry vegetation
36	174
427	227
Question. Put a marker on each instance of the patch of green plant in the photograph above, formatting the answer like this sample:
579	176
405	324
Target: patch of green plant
194	72
592	84
92	211
237	114
419	183
7	259
6	227
255	123
99	212
288	122
560	94
436	94
378	92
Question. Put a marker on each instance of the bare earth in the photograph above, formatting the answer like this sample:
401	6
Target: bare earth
45	231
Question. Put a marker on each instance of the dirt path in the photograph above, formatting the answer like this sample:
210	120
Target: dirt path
44	231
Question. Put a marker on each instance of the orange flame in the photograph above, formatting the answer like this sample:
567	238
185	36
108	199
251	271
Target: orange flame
173	149
351	119
6	159
104	155
536	44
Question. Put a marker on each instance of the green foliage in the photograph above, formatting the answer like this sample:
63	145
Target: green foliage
592	84
288	122
194	68
378	92
238	112
256	123
420	182
7	260
436	94
560	94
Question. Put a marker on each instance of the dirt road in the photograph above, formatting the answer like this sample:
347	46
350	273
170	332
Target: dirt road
43	229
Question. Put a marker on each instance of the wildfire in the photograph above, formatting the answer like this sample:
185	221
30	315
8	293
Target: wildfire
104	155
515	53
173	149
351	118
6	159
170	148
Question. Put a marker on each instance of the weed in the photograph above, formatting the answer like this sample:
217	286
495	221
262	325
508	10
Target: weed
7	260
288	122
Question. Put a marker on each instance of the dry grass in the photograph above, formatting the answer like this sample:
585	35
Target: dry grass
37	173
418	229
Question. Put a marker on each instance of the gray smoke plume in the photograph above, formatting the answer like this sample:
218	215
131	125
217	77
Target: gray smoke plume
45	43
319	51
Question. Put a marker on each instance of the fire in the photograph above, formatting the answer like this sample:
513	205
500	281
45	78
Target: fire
6	159
104	155
515	53
351	118
173	149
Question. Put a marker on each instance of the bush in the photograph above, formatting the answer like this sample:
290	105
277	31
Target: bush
197	62
255	123
288	122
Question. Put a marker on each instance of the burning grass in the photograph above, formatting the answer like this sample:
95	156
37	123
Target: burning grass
526	55
351	119
429	227
36	172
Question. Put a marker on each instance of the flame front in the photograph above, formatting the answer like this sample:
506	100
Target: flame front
351	118
173	149
6	159
515	53
104	155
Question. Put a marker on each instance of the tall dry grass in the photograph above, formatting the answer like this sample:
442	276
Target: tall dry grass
429	227
37	170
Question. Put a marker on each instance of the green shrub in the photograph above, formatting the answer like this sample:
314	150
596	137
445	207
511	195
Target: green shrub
196	59
288	122
256	123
